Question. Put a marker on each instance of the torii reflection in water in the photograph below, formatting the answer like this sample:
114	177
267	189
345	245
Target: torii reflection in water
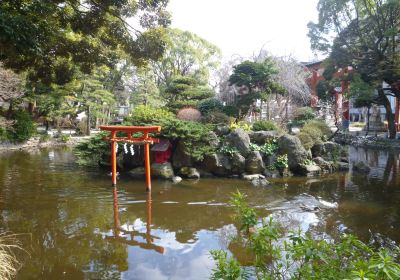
148	245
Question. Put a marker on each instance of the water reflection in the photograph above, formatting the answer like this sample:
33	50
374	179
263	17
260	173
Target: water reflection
127	236
79	228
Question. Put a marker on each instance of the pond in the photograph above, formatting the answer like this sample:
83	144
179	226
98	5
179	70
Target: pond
74	225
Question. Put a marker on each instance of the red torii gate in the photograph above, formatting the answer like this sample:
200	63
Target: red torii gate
144	140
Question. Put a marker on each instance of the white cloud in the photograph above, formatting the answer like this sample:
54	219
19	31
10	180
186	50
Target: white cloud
244	27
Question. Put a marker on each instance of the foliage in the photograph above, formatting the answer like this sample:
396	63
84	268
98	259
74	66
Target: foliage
189	114
146	115
53	38
5	126
281	162
241	124
301	256
302	115
244	215
231	110
185	91
267	149
365	37
44	138
264	125
186	54
195	136
363	95
217	118
210	105
228	150
23	127
314	131
90	152
65	138
227	269
258	79
10	85
143	88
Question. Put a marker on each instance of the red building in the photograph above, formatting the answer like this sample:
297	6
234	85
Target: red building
162	151
342	103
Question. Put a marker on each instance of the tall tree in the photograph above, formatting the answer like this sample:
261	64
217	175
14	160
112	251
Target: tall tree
10	87
186	54
50	37
366	37
186	91
257	80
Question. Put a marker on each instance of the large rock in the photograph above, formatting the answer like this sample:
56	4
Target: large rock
162	170
137	173
189	173
222	130
238	163
217	164
325	166
312	170
240	140
254	163
262	137
213	139
318	150
343	166
180	158
361	167
297	155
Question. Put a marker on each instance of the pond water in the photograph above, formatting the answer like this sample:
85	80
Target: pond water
73	225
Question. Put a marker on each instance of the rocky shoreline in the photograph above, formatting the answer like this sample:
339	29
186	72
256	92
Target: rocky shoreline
241	160
369	141
36	142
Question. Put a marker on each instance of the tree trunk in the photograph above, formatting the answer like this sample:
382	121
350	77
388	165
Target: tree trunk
88	121
10	110
366	133
389	114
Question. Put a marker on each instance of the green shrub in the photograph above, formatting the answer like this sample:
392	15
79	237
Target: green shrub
313	132
23	127
196	136
90	151
267	149
228	150
231	111
210	105
264	125
44	138
217	118
299	255
147	115
65	138
281	162
301	116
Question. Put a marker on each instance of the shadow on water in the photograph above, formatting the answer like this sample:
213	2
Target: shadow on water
81	228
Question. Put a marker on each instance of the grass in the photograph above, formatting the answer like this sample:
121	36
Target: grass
9	264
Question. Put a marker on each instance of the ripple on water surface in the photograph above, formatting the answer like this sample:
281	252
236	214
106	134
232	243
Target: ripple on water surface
81	228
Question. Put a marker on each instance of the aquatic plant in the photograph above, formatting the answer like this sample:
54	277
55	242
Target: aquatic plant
299	255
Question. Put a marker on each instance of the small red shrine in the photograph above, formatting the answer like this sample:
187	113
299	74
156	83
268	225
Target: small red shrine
162	151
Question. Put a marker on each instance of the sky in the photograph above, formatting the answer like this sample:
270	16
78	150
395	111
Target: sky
243	27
